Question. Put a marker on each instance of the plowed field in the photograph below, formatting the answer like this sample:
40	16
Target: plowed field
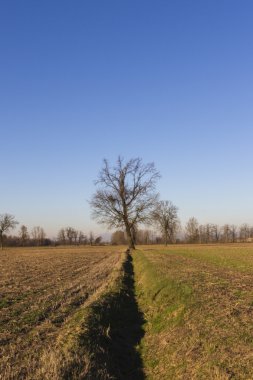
40	289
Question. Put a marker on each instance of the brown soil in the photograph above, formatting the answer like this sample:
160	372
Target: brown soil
40	289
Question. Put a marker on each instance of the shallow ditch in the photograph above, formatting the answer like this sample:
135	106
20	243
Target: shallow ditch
115	328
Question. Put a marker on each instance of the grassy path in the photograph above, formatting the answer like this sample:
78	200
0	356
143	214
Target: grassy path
198	306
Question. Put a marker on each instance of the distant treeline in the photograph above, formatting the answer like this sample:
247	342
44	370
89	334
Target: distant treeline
37	237
213	233
193	232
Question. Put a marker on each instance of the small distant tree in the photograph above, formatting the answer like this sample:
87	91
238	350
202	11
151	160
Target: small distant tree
70	234
165	215
23	234
192	230
143	236
61	237
244	232
205	233
38	235
216	232
146	237
126	195
98	240
7	222
75	236
226	233
91	238
82	239
233	231
118	237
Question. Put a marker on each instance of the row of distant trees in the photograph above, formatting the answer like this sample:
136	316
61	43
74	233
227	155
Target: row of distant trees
193	232
213	233
37	236
142	236
71	236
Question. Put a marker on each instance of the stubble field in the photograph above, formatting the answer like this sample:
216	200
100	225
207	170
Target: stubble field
40	291
181	312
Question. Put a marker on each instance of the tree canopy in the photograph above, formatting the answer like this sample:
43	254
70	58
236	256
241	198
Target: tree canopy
126	195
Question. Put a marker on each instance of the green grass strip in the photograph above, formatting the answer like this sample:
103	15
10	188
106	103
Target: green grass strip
164	303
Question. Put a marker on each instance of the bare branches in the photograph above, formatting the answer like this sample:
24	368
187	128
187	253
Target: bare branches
7	222
166	217
126	194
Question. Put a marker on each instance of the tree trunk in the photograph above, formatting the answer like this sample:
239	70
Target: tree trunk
131	242
165	238
1	239
130	238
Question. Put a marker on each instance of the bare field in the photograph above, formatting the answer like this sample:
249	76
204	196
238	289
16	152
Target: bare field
198	305
40	289
181	312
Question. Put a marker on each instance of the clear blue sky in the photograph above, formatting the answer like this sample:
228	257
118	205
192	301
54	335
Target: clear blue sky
168	81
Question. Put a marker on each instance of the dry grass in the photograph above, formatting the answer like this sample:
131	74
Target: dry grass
42	291
198	301
182	312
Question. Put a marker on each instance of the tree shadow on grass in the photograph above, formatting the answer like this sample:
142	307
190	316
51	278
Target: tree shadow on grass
115	330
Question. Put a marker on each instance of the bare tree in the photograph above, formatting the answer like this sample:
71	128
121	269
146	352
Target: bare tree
75	236
216	232
118	237
61	237
233	232
203	232
226	233
244	232
126	195
24	235
91	238
71	234
192	230
38	235
98	240
208	233
143	236
165	216
7	222
82	239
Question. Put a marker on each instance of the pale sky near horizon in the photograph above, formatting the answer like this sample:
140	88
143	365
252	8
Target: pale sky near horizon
167	81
